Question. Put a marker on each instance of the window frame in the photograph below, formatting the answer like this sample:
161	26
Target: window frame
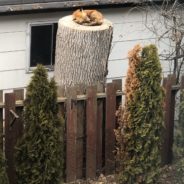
29	69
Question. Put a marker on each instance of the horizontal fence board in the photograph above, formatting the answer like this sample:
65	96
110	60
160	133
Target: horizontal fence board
64	99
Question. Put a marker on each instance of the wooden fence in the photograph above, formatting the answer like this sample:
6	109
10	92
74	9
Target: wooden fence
90	122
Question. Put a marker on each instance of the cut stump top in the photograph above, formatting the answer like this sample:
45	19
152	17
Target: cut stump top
67	21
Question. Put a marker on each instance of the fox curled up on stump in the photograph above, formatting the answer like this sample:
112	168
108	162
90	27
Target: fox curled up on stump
88	17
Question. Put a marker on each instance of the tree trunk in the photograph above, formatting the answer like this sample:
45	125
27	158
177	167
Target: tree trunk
82	54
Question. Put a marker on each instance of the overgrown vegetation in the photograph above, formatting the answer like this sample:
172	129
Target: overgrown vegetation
168	28
39	154
178	146
140	121
172	174
3	174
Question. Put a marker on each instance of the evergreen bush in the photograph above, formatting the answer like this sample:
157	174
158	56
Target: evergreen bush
39	153
3	175
140	121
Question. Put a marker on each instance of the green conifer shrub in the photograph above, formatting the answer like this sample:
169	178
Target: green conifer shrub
39	153
3	174
140	121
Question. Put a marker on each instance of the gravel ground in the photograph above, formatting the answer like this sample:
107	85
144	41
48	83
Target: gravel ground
100	180
170	174
173	174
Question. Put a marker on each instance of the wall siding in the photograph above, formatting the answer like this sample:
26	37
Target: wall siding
129	29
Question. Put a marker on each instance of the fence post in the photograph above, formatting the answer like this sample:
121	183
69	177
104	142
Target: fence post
91	132
71	133
169	110
109	128
99	140
10	136
81	120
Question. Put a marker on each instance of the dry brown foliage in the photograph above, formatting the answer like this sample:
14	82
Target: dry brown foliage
131	84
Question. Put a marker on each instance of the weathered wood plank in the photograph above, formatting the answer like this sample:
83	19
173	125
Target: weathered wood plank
91	132
64	99
182	83
99	148
10	137
164	146
19	94
169	109
71	137
13	131
118	84
109	128
81	112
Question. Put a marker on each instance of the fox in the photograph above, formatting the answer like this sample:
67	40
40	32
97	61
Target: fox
88	17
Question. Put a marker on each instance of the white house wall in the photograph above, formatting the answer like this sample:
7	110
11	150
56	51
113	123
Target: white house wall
129	29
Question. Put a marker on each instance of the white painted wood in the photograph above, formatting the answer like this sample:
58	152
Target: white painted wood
131	31
15	79
118	68
12	60
12	24
124	15
14	41
120	49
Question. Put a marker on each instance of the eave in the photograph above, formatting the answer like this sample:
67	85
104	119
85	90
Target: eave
59	5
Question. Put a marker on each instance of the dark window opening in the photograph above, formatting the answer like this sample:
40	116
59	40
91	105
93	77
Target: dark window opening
43	41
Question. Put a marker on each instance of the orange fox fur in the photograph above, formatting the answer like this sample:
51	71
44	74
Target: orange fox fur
88	17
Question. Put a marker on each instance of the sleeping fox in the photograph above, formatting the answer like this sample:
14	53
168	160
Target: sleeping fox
88	17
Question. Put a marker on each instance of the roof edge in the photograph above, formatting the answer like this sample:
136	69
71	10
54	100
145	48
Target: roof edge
20	8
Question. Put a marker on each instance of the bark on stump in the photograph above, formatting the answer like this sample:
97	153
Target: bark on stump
82	54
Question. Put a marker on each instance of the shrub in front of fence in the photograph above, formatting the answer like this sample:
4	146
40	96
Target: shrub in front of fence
178	147
39	153
140	121
3	175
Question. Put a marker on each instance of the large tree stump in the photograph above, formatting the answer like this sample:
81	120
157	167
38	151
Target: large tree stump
82	53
